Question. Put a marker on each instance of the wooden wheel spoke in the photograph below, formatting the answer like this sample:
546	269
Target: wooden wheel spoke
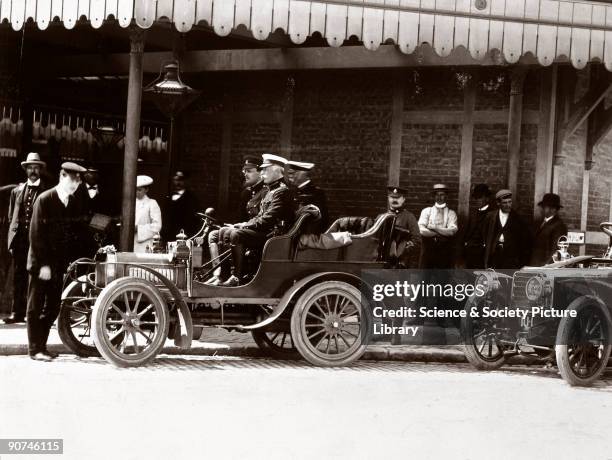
344	340
134	339
149	323
328	344
127	302
147	338
315	316
349	333
116	334
336	342
283	340
314	334
316	304
137	302
274	337
321	340
345	302
118	310
147	309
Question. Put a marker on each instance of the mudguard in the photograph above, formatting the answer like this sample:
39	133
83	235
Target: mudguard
295	289
185	322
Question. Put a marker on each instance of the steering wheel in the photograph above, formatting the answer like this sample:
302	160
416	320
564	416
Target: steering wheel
606	227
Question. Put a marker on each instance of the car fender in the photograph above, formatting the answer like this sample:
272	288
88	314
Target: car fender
185	337
299	286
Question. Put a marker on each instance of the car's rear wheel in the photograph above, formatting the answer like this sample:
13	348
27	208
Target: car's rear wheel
329	325
584	343
134	310
278	344
480	339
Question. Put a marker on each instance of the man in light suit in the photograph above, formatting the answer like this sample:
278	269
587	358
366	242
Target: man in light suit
20	213
148	216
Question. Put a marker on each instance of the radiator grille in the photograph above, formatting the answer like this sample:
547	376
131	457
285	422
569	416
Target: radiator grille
519	297
140	273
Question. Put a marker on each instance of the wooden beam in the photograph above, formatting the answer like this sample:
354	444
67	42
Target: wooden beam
467	136
546	134
397	119
240	60
514	125
455	117
585	107
286	120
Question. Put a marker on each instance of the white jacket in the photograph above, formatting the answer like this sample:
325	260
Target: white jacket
148	223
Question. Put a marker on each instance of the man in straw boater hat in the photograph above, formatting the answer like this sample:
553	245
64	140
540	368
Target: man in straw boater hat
507	237
54	238
21	206
547	235
438	225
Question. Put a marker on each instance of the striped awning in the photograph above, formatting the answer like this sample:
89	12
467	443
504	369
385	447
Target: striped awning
580	31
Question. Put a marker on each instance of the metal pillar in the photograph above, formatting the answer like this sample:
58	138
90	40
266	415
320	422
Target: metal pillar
132	131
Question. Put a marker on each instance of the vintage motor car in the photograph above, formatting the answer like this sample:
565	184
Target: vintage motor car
567	316
304	302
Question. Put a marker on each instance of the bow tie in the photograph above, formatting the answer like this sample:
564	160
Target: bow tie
92	187
32	186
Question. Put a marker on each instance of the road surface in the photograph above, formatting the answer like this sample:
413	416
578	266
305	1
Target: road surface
216	408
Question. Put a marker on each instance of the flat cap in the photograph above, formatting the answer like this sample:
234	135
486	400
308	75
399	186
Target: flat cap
396	191
439	187
300	165
71	167
269	159
143	181
503	193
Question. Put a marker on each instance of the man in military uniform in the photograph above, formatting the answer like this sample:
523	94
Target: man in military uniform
276	214
180	209
507	238
54	236
21	206
307	193
548	233
406	245
250	199
473	238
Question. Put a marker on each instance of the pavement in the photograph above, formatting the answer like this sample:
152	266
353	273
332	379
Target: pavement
218	342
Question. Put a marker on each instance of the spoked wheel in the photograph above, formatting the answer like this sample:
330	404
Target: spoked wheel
329	325
134	310
74	321
583	343
480	338
279	344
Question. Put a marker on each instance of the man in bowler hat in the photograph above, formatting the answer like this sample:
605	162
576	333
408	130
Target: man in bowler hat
21	206
549	231
54	235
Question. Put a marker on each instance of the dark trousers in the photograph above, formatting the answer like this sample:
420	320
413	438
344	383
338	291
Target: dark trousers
239	239
44	299
437	253
504	257
20	279
474	256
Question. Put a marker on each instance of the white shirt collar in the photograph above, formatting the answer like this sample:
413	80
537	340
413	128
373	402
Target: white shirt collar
63	196
440	206
34	184
303	184
546	219
484	208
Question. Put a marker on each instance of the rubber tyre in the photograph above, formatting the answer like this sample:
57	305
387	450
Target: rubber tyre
64	329
264	343
469	346
298	328
565	330
110	293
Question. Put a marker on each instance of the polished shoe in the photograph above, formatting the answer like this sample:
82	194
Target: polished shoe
214	281
13	320
42	356
232	281
51	353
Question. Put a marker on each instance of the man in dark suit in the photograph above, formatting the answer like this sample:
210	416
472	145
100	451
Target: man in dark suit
276	215
306	193
180	210
507	238
54	238
548	233
91	201
473	238
21	206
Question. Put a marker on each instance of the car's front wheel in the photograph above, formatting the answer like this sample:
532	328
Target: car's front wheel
584	342
134	310
329	325
481	339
